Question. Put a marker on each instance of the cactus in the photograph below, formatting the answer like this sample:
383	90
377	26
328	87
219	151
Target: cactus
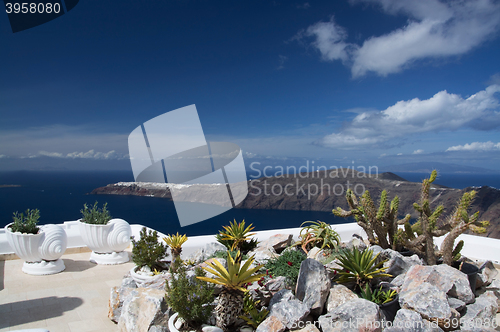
420	236
456	252
379	224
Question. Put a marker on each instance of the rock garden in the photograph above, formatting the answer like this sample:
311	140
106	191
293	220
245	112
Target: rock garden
394	279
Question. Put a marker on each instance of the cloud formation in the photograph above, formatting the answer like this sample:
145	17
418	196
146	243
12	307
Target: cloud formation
91	154
435	29
442	112
476	146
419	151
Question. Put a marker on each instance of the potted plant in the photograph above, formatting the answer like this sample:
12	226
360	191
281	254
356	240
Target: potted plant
106	237
39	247
147	255
387	300
232	279
190	299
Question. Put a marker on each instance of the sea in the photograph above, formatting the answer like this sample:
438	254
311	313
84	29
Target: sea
61	195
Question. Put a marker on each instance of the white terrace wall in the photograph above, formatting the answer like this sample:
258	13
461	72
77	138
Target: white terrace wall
476	247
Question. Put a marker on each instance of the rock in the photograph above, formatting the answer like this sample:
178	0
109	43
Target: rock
128	281
446	278
396	263
309	327
276	284
346	317
116	299
142	309
339	294
456	304
487	272
278	242
410	321
427	300
206	251
376	249
313	285
399	280
356	243
157	328
271	324
281	296
482	312
314	253
158	282
494	287
262	255
330	268
290	312
246	329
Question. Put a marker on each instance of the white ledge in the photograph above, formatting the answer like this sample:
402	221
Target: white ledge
475	247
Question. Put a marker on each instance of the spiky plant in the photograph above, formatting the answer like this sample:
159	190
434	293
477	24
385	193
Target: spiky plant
377	295
175	243
94	215
318	234
26	223
359	267
380	224
253	316
231	304
148	251
420	236
236	235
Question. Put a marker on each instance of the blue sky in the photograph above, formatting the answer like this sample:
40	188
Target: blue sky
377	82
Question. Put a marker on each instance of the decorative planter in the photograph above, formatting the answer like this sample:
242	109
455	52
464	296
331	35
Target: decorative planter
107	242
470	270
41	252
389	309
174	323
140	278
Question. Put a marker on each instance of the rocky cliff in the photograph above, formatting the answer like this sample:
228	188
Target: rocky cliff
325	190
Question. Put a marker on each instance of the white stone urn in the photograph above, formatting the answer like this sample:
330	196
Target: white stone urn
41	252
107	242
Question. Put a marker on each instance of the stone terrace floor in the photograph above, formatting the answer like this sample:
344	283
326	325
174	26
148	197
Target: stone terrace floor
74	300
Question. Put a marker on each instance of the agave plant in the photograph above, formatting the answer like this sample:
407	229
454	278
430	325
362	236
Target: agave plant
236	235
231	303
359	267
318	233
175	243
377	295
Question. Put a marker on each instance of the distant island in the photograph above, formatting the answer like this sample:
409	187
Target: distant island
325	190
427	167
9	185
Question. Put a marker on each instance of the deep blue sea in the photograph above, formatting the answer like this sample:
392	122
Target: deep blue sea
60	196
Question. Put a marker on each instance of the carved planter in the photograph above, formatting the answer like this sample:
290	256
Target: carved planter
107	242
41	252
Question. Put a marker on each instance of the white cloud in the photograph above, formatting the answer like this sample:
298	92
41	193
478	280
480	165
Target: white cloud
400	154
442	112
476	146
282	60
3	156
419	151
91	154
435	29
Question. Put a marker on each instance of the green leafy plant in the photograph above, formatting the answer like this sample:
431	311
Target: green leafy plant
318	234
377	295
175	243
359	268
233	279
148	251
380	224
223	254
26	223
190	297
253	316
330	255
287	265
237	237
94	215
